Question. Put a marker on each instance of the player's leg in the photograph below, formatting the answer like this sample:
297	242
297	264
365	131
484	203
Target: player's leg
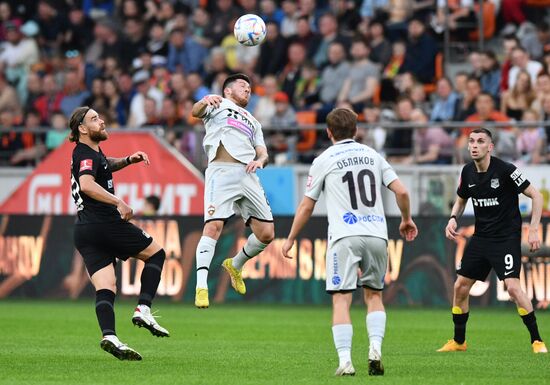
374	261
203	257
342	331
526	312
153	256
104	281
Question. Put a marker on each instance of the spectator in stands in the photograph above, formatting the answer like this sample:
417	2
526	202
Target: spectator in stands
399	12
460	17
361	81
388	90
542	88
521	61
432	145
380	47
136	36
33	91
157	44
137	115
476	64
509	43
196	87
7	17
444	106
313	11
270	13
535	38
307	87
79	33
265	108
531	139
370	9
96	98
151	205
306	36
8	97
35	149
272	52
184	53
112	99
59	131
150	112
399	144
328	28
281	141
171	121
330	81
291	14
52	26
347	16
10	141
490	74
375	135
467	103
291	72
126	93
202	27
74	94
50	100
421	52
224	13
519	98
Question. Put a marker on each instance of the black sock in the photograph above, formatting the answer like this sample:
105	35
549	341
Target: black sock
150	277
104	309
460	327
531	322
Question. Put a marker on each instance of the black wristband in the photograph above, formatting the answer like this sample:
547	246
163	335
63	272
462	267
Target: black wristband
128	161
452	217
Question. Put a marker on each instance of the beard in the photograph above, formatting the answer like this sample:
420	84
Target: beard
98	136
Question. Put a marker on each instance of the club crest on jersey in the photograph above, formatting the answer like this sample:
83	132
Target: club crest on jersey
495	183
86	164
211	210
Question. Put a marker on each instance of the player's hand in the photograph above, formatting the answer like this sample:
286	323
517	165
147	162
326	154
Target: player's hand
212	100
287	245
126	212
408	230
533	239
450	230
253	166
139	156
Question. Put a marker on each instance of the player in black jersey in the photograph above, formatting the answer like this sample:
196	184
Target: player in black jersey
494	186
103	233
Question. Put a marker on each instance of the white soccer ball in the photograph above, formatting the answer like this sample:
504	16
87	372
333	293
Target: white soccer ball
249	30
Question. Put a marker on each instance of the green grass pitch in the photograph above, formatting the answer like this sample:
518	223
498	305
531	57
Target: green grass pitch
57	342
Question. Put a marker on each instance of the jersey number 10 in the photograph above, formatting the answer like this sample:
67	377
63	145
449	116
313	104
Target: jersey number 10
350	180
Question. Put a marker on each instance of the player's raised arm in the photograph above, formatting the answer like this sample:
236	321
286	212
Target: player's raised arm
407	228
116	164
536	212
199	108
303	213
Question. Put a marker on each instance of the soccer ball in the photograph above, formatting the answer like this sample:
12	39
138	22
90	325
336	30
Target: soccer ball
250	30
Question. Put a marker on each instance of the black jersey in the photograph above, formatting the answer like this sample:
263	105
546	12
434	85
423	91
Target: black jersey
494	195
88	161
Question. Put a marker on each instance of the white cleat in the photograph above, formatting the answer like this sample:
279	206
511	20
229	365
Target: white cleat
111	344
144	318
345	370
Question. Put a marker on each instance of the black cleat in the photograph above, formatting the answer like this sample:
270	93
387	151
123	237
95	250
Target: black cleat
376	368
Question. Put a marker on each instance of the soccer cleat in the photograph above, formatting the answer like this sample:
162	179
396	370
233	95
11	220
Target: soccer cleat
539	347
201	298
453	346
236	276
345	370
111	344
375	364
144	318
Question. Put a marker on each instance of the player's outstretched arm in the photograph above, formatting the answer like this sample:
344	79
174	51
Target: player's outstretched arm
199	108
116	164
536	212
303	213
456	212
407	228
89	186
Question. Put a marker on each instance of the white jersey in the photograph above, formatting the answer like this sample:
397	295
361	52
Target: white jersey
235	128
351	175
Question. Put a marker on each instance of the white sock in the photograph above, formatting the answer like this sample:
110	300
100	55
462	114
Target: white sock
342	335
203	257
251	248
376	327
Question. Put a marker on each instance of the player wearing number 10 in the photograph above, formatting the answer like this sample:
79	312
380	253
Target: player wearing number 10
352	175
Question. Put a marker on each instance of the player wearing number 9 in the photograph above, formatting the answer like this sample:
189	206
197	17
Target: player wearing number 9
351	176
494	186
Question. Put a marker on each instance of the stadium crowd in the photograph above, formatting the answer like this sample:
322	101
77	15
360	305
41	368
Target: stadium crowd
144	64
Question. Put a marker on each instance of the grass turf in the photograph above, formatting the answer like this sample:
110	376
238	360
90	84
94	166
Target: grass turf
57	342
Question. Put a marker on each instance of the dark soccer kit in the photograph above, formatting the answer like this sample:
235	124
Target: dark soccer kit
496	242
101	235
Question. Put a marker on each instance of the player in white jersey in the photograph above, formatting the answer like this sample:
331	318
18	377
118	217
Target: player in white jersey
234	144
352	175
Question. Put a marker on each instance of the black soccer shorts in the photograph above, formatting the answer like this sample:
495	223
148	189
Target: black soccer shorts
482	254
101	243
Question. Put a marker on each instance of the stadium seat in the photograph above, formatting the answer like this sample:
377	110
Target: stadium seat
308	137
489	21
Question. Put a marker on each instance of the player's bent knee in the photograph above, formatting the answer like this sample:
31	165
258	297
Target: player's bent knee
213	229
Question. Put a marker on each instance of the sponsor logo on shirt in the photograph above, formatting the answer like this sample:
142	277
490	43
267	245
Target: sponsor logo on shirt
495	183
350	218
517	177
86	164
485	202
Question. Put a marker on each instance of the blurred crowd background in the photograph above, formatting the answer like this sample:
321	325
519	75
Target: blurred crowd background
142	64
